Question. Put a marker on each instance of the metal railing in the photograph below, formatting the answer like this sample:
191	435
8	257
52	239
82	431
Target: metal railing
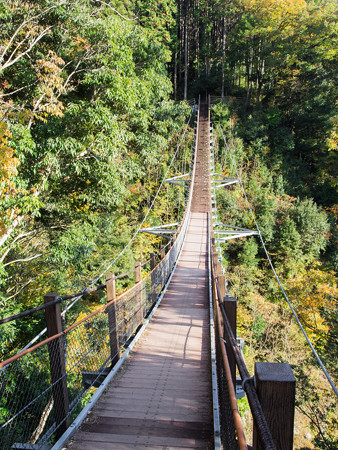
270	387
43	388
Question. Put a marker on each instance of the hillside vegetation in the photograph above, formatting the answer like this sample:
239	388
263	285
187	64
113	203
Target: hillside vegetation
87	128
90	113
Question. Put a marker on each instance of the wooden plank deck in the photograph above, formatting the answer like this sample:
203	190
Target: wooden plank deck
161	398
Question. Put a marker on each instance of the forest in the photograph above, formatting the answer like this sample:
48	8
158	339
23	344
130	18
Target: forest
93	101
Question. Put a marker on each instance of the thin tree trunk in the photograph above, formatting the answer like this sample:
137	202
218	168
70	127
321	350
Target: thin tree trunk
44	417
223	54
186	57
175	76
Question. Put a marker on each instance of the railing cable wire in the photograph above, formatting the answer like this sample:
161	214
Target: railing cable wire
277	278
91	287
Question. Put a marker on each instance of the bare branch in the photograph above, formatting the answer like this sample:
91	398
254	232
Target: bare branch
23	260
43	419
24	23
17	90
115	11
70	76
20	290
21	236
21	55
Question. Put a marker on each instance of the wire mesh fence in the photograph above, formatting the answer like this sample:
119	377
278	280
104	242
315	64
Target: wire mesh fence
46	387
228	431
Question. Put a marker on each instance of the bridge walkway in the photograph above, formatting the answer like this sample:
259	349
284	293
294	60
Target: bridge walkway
162	396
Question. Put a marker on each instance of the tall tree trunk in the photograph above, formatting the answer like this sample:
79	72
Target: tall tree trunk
186	57
198	34
223	54
175	76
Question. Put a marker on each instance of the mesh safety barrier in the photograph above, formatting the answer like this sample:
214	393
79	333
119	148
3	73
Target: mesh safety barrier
29	412
43	388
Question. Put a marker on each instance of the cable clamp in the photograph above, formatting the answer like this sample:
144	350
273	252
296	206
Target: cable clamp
222	339
245	381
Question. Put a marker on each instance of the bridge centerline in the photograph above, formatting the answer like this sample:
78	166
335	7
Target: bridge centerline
169	371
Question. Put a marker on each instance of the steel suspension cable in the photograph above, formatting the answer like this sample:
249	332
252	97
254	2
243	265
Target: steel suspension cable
277	277
86	290
142	223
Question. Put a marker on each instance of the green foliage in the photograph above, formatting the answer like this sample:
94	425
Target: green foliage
248	256
87	128
296	232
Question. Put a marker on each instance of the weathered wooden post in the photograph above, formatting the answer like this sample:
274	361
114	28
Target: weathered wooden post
138	297
112	320
230	308
162	252
276	389
57	363
219	268
222	284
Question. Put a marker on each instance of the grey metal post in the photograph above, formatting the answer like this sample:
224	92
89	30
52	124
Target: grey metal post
153	277
138	278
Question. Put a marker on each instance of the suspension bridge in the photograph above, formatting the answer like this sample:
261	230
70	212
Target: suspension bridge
158	366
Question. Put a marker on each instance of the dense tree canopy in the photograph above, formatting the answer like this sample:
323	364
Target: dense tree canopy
85	119
87	125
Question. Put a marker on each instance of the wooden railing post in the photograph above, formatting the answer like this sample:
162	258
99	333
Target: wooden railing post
230	308
57	365
219	268
138	278
112	320
276	389
222	285
162	252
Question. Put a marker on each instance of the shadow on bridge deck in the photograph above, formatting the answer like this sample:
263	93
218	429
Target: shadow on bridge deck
161	398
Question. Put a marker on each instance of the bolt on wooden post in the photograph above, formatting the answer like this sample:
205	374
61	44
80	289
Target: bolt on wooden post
276	389
57	363
112	320
138	297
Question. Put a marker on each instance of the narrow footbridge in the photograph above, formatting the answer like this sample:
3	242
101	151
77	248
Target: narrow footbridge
155	367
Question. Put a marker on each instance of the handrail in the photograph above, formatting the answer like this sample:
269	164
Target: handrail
86	347
247	381
242	445
60	299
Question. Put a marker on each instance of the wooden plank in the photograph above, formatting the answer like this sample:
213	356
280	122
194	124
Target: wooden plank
149	427
92	439
161	398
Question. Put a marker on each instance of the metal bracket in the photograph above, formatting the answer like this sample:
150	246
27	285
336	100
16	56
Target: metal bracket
164	231
180	180
232	232
222	181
